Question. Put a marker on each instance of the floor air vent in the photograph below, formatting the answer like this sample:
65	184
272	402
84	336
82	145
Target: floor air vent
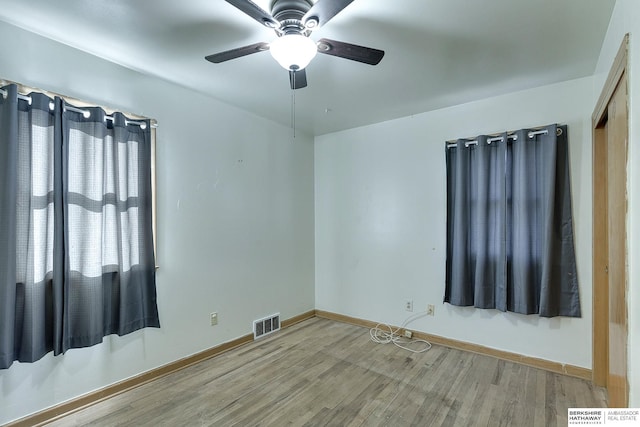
265	326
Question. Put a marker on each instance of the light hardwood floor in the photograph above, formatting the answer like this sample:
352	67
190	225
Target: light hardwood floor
321	372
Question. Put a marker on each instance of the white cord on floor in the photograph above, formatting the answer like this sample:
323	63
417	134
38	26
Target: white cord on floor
380	336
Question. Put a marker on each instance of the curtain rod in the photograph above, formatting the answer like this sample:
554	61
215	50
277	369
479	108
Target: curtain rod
531	134
20	96
85	113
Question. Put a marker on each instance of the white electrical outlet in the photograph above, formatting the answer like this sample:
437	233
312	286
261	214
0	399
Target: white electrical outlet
214	319
408	305
431	310
408	334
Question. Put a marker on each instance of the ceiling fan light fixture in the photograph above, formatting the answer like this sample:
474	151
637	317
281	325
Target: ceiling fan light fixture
293	51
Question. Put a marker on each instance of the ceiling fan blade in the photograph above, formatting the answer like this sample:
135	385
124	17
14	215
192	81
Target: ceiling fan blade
324	10
256	12
350	51
298	79
238	52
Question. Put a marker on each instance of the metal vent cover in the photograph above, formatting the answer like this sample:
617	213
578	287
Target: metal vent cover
266	325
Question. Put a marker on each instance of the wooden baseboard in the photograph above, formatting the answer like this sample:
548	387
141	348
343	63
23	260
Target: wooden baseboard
63	409
559	368
51	414
299	318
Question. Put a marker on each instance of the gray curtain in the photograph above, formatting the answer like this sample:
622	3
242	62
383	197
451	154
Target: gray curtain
76	243
510	243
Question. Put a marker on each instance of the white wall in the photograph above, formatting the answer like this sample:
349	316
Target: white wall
626	19
381	218
235	222
380	225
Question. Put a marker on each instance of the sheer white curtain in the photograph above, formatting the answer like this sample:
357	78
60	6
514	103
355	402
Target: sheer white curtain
76	242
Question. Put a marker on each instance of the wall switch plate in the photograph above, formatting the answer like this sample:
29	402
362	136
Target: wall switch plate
214	319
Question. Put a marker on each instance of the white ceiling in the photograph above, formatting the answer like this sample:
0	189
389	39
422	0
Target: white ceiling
438	52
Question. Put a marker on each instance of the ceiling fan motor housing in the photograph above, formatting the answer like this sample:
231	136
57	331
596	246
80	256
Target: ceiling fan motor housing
289	13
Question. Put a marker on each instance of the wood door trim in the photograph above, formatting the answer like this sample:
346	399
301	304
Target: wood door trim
600	294
618	68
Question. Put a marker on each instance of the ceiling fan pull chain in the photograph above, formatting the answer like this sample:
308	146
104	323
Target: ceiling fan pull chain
293	105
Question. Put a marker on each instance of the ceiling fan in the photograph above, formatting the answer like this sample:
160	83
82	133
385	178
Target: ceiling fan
293	21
